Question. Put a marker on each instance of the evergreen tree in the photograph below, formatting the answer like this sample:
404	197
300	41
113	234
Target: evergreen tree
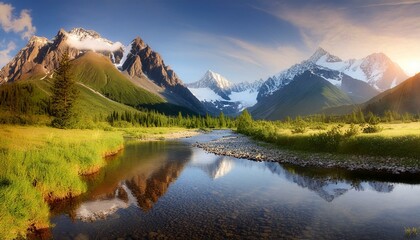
222	120
64	94
244	121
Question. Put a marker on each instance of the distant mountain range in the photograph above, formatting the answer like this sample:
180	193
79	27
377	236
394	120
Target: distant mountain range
220	95
320	82
134	75
376	70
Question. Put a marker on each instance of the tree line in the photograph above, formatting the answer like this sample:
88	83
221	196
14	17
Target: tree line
152	118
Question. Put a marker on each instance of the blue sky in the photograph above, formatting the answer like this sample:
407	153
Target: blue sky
243	40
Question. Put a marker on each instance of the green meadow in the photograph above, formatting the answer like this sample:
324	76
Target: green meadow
386	139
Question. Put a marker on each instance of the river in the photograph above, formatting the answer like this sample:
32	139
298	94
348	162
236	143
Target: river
169	189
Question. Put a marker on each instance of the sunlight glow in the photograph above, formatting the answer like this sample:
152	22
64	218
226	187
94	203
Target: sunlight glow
411	67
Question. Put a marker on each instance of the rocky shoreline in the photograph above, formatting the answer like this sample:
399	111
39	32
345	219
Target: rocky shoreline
240	146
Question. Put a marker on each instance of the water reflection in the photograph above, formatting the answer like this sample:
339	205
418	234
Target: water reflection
327	183
147	190
139	176
213	165
170	189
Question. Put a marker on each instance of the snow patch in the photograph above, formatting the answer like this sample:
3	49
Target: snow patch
126	51
246	98
205	94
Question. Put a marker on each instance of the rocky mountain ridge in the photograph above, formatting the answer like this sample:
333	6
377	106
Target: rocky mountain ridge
40	57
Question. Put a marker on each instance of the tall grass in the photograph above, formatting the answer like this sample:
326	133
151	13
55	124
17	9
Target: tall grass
40	164
388	140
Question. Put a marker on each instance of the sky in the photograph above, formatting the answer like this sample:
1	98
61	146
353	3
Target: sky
244	40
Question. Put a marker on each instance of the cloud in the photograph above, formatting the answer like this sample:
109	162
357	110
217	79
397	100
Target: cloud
245	55
94	44
390	4
22	24
5	53
346	34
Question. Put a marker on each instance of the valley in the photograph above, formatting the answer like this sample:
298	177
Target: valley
301	130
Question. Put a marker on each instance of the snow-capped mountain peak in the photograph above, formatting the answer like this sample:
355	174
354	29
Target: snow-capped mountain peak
82	39
219	94
322	54
377	70
212	80
82	33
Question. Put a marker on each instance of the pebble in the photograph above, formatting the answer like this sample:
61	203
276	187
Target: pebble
240	146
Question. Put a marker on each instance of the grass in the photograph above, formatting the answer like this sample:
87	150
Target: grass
97	72
388	139
40	164
150	133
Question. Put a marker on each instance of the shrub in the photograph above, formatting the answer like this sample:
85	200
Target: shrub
327	141
352	131
299	126
372	129
299	129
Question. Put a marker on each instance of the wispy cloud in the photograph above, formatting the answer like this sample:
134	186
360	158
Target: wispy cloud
393	31
261	58
21	25
5	53
398	3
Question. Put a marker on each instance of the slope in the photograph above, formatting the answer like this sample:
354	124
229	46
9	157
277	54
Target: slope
403	98
306	94
97	72
35	93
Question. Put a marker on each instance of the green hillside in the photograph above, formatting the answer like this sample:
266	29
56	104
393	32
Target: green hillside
31	97
306	94
98	73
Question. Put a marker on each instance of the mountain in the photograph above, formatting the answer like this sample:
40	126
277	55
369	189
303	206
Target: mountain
220	95
306	94
361	79
402	98
134	75
215	82
147	69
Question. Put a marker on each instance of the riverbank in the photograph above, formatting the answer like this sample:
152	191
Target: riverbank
240	146
42	164
159	133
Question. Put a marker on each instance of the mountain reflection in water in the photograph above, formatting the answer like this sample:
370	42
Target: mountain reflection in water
171	189
139	176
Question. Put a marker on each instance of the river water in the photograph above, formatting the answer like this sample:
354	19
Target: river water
169	189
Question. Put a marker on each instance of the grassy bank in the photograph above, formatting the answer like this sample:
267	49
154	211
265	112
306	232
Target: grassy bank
383	139
156	133
40	164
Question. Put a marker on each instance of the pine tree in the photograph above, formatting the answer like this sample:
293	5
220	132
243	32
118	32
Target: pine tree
64	94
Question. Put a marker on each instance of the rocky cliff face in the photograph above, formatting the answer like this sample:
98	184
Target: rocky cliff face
142	61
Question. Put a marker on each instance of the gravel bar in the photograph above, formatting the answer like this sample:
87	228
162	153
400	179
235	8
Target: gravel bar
241	146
